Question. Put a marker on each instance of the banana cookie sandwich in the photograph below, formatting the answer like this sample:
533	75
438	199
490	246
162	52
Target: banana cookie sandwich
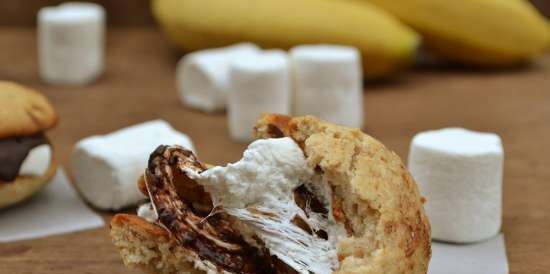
26	156
307	197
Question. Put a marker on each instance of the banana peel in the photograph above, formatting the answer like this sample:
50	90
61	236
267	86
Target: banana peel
386	44
489	33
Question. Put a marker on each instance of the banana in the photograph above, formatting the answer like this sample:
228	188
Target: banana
386	44
475	32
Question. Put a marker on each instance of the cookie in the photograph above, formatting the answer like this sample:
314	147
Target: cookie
372	196
24	111
24	187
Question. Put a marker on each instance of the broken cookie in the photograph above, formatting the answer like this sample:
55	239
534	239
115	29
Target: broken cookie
309	197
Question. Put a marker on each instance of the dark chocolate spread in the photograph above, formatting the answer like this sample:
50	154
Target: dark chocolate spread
13	151
186	211
212	238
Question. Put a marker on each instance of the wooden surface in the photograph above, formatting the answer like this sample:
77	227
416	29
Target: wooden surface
139	85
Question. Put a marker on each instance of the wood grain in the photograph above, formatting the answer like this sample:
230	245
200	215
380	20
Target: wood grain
139	85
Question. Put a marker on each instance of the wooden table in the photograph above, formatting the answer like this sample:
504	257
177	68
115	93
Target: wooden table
139	85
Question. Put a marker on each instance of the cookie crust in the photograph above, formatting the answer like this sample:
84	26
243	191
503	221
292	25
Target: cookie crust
24	111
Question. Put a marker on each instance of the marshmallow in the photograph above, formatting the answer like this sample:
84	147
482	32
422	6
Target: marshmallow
259	83
202	77
106	168
460	173
328	83
71	43
147	212
264	180
37	161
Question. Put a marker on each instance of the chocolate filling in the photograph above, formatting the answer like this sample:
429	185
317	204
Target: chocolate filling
13	152
212	238
304	198
185	210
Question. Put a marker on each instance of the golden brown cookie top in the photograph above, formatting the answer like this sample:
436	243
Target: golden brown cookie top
24	111
378	197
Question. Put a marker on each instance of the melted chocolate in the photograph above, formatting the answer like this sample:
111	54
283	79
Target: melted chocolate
212	238
185	209
303	196
13	152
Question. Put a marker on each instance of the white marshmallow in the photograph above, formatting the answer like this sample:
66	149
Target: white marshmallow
71	40
259	83
328	83
37	161
264	180
106	168
269	167
202	77
147	212
460	173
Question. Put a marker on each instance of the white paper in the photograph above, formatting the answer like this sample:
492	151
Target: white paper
488	257
56	209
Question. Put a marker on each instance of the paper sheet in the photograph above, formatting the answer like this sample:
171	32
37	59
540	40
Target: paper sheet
488	257
56	209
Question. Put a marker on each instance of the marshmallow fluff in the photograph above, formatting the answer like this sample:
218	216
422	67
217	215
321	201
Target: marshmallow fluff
270	168
460	173
37	161
264	180
147	212
259	83
106	168
202	77
327	82
71	40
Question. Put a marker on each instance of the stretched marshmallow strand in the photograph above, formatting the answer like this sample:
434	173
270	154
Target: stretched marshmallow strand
460	173
71	41
202	77
328	83
264	180
259	83
37	161
106	168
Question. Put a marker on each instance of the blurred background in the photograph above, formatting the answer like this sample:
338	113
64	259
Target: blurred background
121	13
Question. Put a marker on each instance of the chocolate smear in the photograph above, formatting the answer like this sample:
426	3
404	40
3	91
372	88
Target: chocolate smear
213	238
13	152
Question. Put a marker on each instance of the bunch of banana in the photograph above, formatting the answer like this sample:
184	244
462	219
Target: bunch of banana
386	44
475	32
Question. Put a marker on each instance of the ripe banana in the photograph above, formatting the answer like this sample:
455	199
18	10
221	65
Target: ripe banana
477	32
386	44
